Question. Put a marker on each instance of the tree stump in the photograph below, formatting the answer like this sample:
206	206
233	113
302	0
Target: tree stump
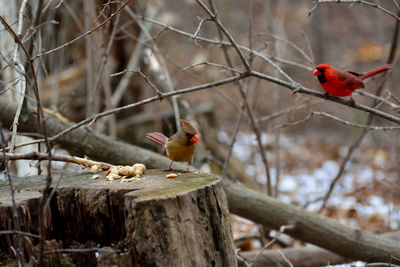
153	221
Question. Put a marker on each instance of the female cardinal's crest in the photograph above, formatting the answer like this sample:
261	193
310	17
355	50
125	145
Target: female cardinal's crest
187	127
184	122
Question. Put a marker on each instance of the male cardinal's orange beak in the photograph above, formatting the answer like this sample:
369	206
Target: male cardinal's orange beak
316	72
195	139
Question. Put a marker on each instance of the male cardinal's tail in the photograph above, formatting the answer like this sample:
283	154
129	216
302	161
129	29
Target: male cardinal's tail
158	137
375	71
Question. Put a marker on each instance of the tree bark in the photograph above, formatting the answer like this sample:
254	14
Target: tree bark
177	226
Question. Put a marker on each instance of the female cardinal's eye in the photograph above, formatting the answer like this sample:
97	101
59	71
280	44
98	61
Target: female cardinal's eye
189	135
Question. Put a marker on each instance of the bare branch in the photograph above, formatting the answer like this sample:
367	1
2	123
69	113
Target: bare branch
284	257
211	64
296	47
84	34
284	112
57	157
282	229
214	17
318	2
22	81
103	63
79	250
330	116
199	28
15	213
16	232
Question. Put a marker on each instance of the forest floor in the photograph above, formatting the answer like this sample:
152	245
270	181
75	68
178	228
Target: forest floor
367	195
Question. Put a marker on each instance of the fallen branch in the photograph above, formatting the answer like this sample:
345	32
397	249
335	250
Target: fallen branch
312	228
309	256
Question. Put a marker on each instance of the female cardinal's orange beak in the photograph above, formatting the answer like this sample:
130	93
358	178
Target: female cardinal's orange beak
316	72
195	139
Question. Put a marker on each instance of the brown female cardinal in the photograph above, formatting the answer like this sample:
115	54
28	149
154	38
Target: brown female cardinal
181	145
337	82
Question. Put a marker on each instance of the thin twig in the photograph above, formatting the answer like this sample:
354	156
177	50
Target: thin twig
286	259
240	259
367	127
214	17
233	140
22	81
80	250
103	63
292	63
318	2
378	98
396	3
158	68
36	87
221	43
282	229
199	28
15	217
56	157
298	49
211	64
134	59
16	232
293	123
82	35
152	85
268	118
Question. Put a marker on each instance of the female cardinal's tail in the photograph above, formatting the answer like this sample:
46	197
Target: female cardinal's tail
158	137
375	71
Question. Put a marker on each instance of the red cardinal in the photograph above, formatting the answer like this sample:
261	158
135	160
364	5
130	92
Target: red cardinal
181	145
343	83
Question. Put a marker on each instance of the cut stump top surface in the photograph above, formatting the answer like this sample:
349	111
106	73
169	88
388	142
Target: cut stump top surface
152	184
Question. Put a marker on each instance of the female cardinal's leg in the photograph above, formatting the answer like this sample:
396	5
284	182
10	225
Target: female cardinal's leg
169	168
189	164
